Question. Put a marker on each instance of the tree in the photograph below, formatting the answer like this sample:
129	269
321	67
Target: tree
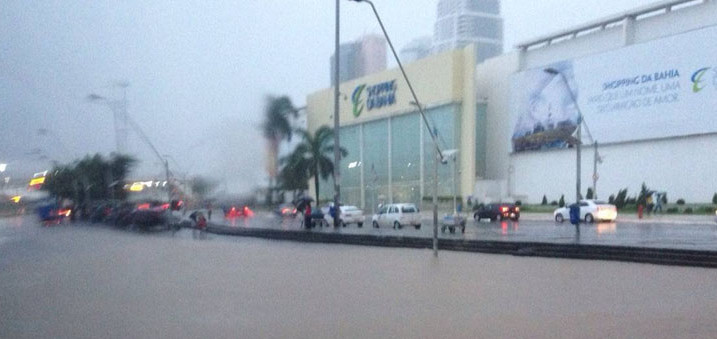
644	193
714	199
91	178
276	128
294	175
620	200
561	203
545	200
313	156
590	193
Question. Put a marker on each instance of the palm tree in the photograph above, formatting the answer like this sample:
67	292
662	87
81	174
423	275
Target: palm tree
276	127
294	175
314	155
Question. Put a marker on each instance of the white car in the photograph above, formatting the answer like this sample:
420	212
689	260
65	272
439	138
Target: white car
349	215
590	210
397	215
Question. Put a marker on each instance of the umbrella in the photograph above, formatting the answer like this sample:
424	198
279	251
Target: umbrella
302	201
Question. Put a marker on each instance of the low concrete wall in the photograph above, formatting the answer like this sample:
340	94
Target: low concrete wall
574	251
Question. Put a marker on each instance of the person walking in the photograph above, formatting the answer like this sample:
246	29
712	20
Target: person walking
307	215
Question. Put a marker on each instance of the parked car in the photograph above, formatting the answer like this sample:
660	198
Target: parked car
590	210
496	211
235	211
397	215
349	215
286	210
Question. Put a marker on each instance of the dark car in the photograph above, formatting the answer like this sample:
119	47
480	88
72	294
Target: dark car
145	218
497	211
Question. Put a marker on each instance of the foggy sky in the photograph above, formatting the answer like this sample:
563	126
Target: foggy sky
198	71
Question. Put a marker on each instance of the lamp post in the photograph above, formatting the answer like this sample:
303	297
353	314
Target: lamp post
337	146
127	120
438	154
554	71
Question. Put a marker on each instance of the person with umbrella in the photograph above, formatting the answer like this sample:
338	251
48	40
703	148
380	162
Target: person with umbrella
303	204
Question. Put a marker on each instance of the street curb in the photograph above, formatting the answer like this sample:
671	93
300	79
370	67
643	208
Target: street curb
674	257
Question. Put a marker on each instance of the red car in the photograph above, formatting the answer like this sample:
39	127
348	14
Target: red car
238	211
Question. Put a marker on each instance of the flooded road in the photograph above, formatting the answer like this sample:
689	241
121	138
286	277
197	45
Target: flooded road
84	281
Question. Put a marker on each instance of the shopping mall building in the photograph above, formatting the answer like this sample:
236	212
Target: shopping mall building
644	82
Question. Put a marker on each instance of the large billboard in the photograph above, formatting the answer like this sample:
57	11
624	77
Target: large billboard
658	89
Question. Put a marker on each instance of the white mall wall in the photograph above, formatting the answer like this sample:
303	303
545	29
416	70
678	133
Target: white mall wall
684	167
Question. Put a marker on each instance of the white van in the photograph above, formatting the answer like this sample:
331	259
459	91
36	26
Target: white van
397	215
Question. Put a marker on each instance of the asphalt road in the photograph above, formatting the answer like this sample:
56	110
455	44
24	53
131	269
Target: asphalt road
90	281
697	234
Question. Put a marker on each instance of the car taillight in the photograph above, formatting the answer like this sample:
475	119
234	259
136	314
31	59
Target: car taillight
517	209
504	209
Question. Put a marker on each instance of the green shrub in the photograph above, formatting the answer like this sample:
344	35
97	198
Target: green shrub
545	200
554	203
518	203
680	201
561	203
672	210
707	209
688	210
620	199
642	197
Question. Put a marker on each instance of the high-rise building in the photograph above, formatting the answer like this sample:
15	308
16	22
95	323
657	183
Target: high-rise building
417	49
364	56
462	22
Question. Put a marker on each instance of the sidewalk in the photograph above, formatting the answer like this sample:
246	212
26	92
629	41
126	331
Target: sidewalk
683	219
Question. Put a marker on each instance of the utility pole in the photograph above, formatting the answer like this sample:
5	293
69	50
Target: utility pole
578	158
596	159
438	153
337	145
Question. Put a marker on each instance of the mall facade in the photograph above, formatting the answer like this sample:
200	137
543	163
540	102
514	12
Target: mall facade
390	152
644	83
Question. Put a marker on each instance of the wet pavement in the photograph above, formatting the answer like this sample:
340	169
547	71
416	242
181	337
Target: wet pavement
693	233
93	281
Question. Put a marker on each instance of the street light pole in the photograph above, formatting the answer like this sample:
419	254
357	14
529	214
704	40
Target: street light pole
437	150
337	153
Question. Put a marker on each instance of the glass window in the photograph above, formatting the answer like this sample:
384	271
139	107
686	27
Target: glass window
405	158
444	28
479	26
443	119
351	166
375	154
484	6
408	209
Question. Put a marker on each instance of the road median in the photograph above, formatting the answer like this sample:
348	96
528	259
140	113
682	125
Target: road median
693	258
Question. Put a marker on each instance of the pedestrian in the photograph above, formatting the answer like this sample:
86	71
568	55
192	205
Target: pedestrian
209	211
307	215
201	226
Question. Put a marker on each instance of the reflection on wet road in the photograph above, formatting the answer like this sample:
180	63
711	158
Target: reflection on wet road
622	233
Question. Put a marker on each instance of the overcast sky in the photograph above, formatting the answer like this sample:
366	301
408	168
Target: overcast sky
199	70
